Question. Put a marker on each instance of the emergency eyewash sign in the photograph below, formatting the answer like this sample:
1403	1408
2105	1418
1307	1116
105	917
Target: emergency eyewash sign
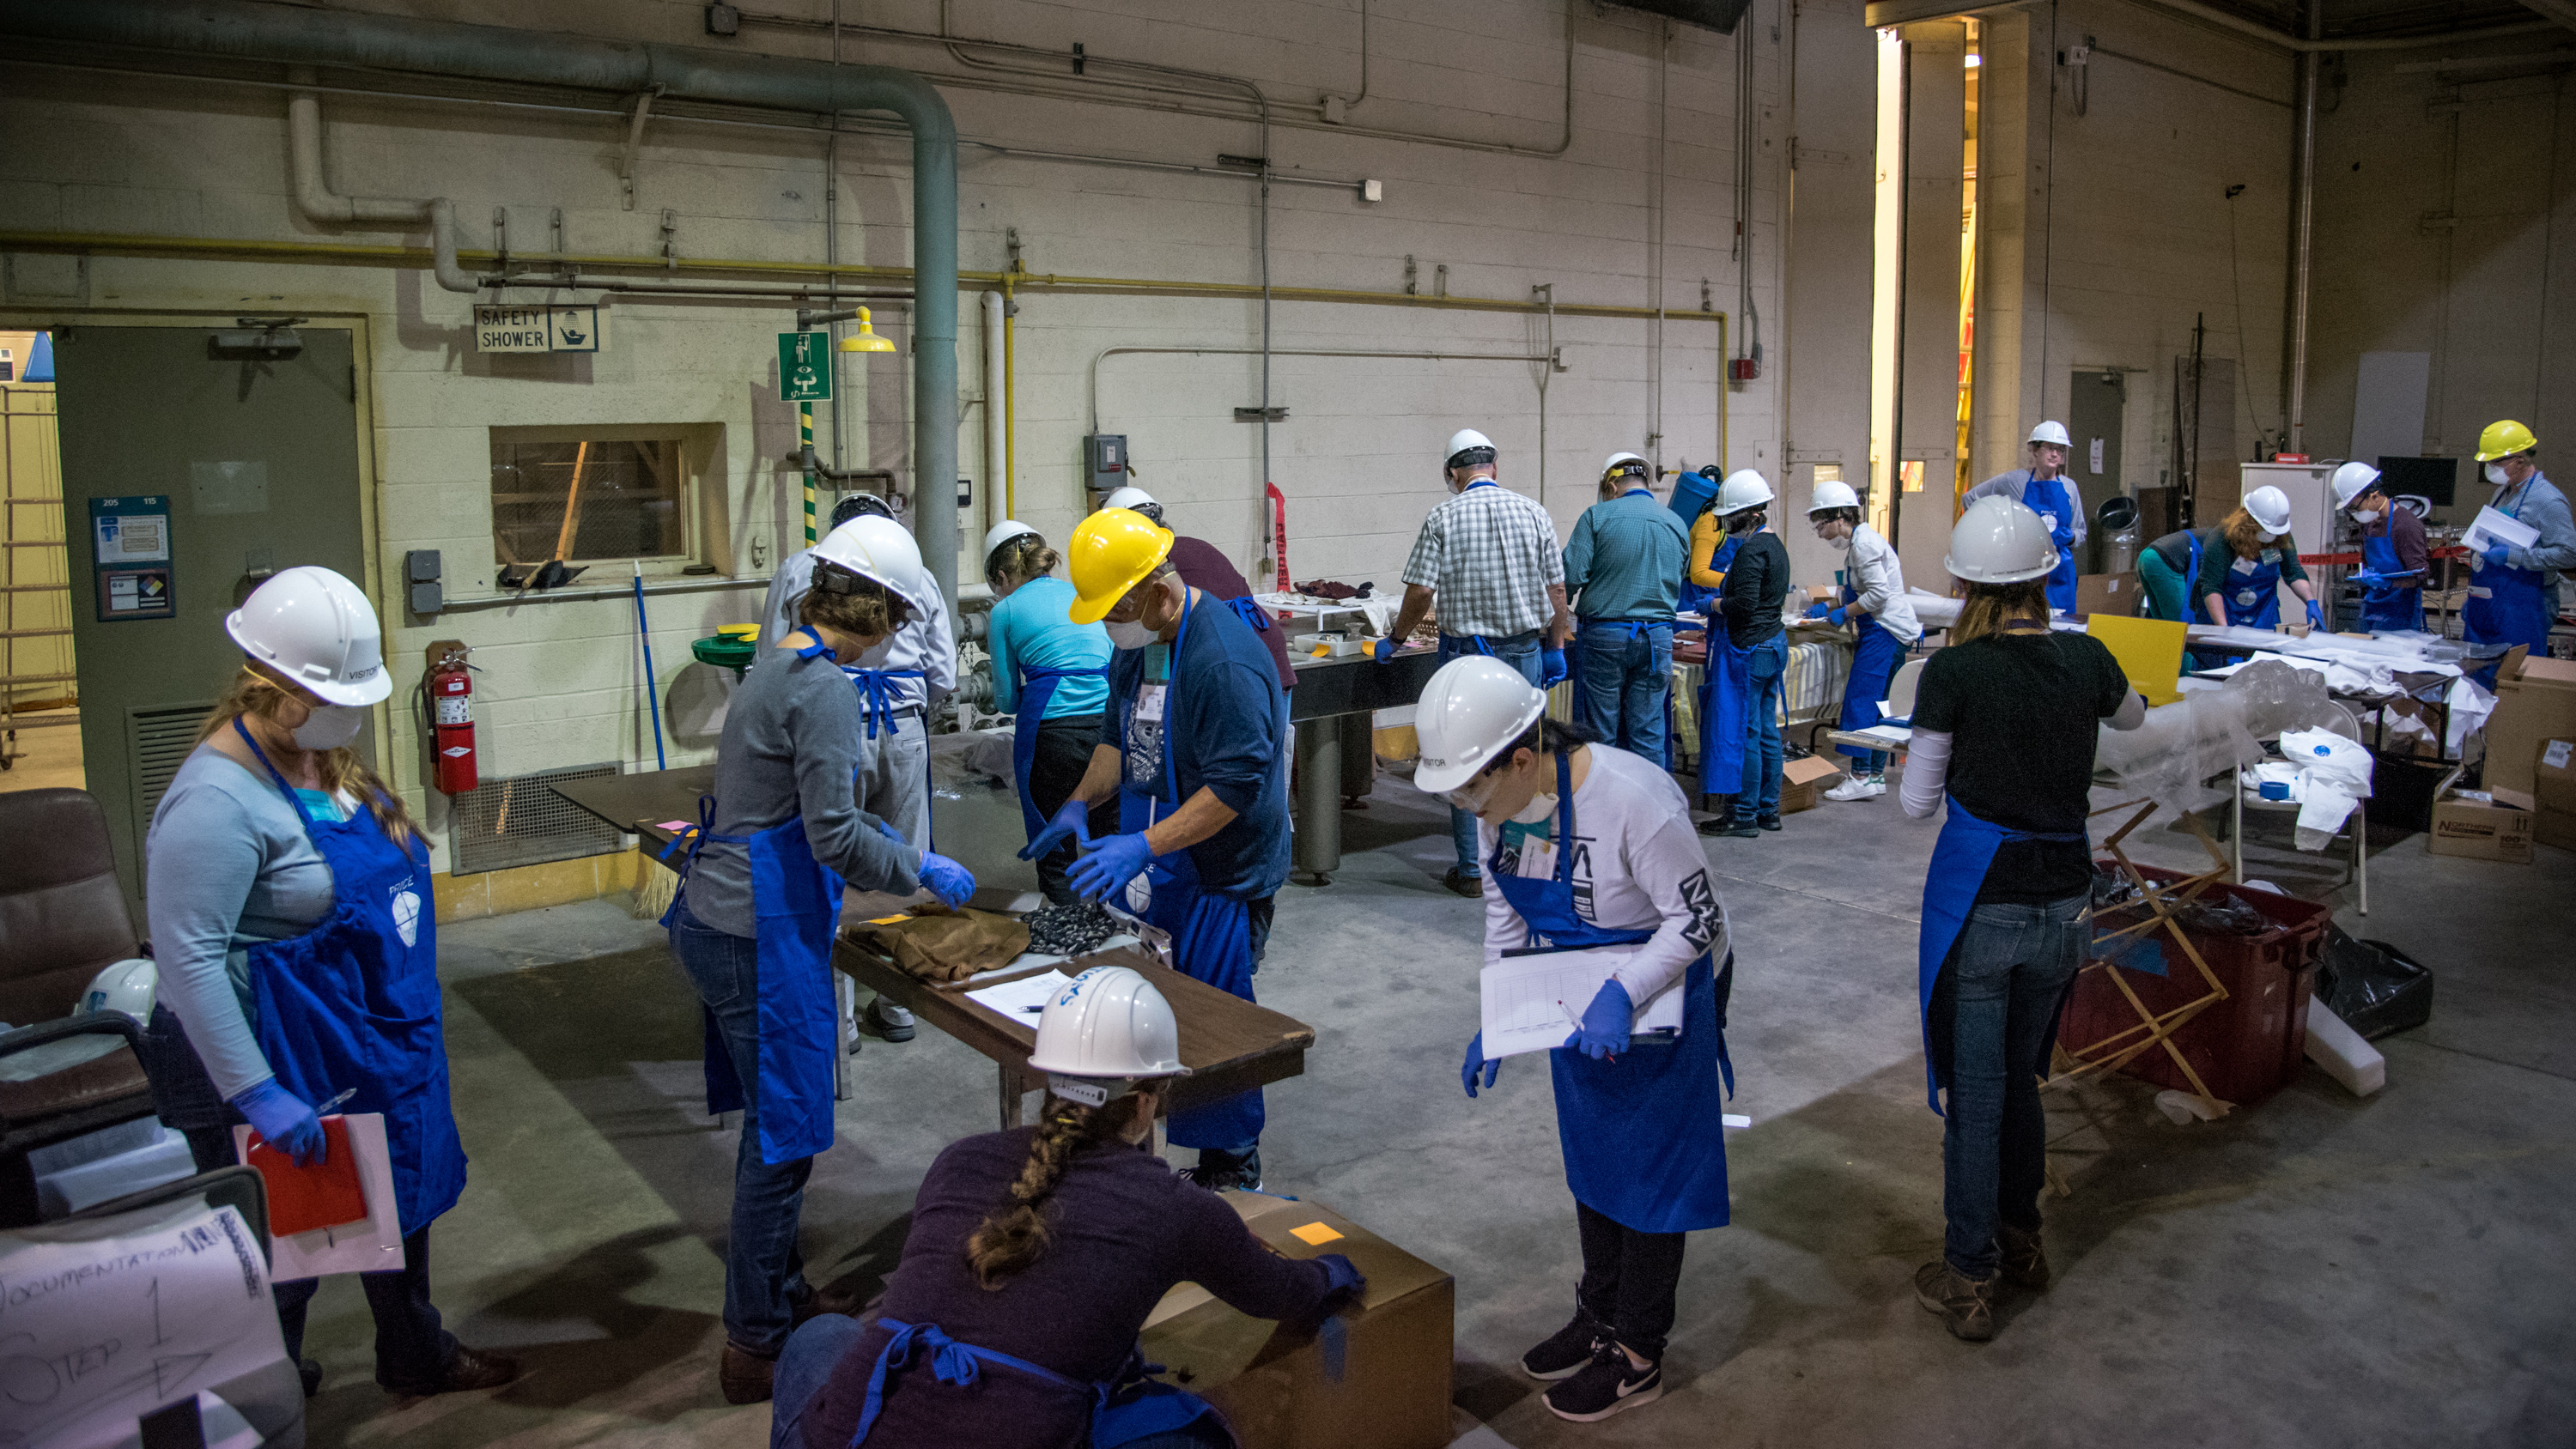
539	329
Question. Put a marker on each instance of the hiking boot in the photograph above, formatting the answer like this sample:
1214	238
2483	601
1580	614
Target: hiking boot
1564	1355
1966	1305
2025	1261
1605	1386
1459	882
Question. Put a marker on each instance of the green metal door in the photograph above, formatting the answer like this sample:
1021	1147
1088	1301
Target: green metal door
255	459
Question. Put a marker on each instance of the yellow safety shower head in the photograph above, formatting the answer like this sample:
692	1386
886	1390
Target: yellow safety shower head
866	338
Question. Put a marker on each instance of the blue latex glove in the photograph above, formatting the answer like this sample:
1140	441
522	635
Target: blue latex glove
1382	650
1343	1279
890	833
1475	1060
2365	576
1837	616
1551	666
1073	821
283	1121
2497	555
1605	1023
948	880
2316	616
1816	610
1113	861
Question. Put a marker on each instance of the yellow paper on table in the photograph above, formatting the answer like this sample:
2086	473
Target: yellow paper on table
2149	651
1314	1235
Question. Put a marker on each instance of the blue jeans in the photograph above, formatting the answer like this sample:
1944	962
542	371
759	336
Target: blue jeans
1627	682
764	1272
1760	793
1520	651
804	1366
2006	978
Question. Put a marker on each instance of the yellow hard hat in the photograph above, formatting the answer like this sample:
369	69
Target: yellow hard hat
1111	552
2503	440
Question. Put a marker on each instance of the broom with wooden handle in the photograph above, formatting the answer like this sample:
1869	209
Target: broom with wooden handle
654	886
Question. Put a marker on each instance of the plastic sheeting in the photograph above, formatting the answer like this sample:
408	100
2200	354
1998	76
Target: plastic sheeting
2187	754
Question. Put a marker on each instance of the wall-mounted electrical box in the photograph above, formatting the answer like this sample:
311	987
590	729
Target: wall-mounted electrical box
421	581
1104	461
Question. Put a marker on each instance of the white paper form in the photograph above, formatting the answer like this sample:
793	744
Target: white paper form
2492	528
104	1322
1024	999
1526	998
374	1246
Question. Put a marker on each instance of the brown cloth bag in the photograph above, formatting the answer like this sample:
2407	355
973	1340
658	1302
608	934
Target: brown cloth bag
937	944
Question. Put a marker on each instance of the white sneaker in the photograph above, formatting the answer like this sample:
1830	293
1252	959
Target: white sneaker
1877	785
1854	788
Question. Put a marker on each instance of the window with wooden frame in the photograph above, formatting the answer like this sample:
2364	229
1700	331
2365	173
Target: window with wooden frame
587	500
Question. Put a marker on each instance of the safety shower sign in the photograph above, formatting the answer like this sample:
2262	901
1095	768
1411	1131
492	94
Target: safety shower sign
539	329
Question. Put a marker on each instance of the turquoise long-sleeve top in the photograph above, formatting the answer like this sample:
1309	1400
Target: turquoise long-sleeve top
1034	629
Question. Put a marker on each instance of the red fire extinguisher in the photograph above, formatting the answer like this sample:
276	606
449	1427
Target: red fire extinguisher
451	694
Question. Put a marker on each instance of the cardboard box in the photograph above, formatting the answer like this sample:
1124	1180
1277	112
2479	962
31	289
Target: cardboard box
2553	793
2107	593
2476	826
1804	781
2535	703
1283	1387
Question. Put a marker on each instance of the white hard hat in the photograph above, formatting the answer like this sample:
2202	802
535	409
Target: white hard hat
314	627
1742	489
2271	509
2052	433
1831	494
1136	498
2351	481
1107	1029
1617	463
1002	533
128	986
878	550
1463	444
1999	541
1471	710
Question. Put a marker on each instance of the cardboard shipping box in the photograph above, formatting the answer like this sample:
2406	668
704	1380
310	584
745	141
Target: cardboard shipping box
2475	825
1377	1375
2107	593
1803	781
2535	703
2553	795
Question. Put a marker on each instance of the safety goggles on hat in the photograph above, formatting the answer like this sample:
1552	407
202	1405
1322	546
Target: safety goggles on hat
831	578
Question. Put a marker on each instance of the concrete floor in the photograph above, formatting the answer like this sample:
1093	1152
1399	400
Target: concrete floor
2322	1270
47	754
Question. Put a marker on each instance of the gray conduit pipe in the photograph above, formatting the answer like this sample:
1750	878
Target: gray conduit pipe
288	35
315	198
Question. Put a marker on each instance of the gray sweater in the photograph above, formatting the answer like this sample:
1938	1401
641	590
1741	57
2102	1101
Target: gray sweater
791	747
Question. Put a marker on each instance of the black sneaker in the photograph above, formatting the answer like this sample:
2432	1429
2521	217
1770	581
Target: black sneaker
1218	1171
1460	883
1768	822
1738	829
1562	1356
1606	1385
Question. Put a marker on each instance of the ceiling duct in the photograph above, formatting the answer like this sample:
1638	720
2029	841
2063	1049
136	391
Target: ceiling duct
1717	15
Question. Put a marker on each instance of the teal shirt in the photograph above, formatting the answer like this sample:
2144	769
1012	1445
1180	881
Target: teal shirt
1034	629
1626	558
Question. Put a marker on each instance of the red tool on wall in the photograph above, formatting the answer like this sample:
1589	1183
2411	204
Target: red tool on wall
449	688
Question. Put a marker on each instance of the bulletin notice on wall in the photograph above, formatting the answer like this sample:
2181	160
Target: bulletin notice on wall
130	549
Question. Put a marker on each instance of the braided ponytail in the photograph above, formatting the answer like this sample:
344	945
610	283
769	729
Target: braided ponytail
1014	1237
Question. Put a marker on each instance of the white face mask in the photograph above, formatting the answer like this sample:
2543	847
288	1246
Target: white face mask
1131	636
1839	545
1540	808
2497	475
330	726
2368	515
2265	534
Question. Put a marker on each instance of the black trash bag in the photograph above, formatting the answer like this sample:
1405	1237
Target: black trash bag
2374	987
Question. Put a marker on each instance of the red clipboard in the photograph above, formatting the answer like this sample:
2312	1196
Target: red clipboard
324	1195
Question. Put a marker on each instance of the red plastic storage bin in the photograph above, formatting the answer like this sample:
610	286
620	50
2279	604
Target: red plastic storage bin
2245	1047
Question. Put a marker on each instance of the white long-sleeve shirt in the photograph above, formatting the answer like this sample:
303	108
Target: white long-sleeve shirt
1878	578
1638	865
925	642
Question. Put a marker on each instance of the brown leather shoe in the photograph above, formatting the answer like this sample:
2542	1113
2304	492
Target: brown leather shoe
1966	1305
829	1299
2025	1261
745	1375
469	1370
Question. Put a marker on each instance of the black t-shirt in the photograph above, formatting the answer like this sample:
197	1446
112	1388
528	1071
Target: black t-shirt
2022	712
1756	583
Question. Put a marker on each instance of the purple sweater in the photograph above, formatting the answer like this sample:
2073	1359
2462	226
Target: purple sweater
1124	1229
1203	568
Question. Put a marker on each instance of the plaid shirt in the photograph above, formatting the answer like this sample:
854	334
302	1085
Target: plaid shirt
1488	555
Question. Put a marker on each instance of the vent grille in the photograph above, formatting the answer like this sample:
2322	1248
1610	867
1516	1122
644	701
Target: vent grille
521	821
157	742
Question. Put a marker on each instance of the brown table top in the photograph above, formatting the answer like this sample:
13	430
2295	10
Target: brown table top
641	802
1229	1044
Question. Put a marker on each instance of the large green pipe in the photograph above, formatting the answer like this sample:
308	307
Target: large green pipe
253	30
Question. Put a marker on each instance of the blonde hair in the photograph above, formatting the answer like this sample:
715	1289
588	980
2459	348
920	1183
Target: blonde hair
1016	1235
1020	559
1988	606
252	692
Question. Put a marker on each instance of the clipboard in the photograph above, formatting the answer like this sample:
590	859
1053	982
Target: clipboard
373	1244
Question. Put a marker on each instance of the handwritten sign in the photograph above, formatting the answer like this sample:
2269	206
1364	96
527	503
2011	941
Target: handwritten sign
104	1322
539	329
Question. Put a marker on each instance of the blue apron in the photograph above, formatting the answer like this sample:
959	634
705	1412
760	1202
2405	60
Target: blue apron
1122	1411
1701	598
2387	607
1874	659
1725	712
2515	609
2197	603
1641	1134
1037	688
877	702
352	1005
1958	871
2253	596
1211	933
796	910
2048	498
1251	613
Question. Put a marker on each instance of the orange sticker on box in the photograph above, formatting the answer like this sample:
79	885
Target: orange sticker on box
1313	1235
